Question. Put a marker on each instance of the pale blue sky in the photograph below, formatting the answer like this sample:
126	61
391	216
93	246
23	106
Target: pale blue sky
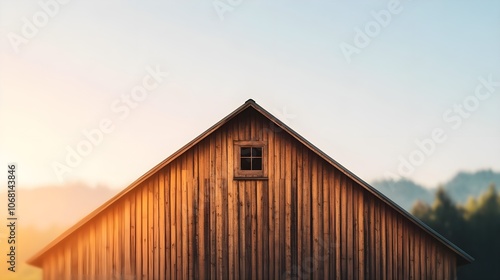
285	55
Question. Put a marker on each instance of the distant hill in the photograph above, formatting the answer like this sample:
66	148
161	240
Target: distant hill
466	184
58	206
44	213
404	192
462	186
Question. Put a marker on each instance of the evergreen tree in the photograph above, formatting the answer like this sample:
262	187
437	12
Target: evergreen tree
474	227
484	242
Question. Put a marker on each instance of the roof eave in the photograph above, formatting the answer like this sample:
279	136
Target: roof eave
37	258
466	257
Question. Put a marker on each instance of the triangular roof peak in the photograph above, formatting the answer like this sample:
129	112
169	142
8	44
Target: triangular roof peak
464	257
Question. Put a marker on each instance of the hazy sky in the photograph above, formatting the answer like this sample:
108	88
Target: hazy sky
364	82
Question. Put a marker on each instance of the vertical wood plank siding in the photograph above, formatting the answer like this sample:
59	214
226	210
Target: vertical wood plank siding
192	220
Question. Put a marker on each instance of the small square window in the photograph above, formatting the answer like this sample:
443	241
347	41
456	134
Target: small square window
249	159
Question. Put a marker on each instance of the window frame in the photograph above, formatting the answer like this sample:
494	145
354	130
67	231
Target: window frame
249	174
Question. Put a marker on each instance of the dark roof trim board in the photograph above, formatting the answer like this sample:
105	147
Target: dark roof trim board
464	257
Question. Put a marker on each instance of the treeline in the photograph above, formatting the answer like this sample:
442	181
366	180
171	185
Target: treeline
474	227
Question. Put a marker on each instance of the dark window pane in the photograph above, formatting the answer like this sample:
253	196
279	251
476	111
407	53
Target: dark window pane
246	151
257	152
246	164
257	164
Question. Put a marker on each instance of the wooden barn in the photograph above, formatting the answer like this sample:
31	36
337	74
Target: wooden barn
250	199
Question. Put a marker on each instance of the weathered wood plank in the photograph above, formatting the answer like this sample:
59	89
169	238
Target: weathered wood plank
325	243
184	218
190	186
196	213
138	233
232	205
263	134
91	251
126	230
389	244
439	263
332	240
411	251
422	256
320	270
350	232
145	231
152	221
259	230
161	224
355	231
343	227
338	223
361	235
400	248
79	260
178	218
153	264
218	206
117	266
307	234
248	230
168	229
287	157
173	223
376	223
225	257
300	214
66	255
202	211
283	206
242	228
282	225
315	217
395	256
293	206
276	206
206	228
213	208
60	262
416	252
406	259
386	228
242	215
253	210
368	225
104	252
265	230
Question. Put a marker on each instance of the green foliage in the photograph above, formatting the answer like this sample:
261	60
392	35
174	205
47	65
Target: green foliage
474	227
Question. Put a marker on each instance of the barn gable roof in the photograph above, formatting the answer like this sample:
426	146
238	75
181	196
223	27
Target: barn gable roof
463	257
